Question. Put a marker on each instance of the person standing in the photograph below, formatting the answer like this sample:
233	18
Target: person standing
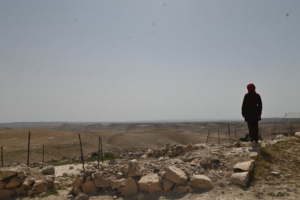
251	111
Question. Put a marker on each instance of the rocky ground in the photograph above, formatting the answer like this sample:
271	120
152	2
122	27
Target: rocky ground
240	170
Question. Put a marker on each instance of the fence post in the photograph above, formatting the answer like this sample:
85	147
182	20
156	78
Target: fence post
81	152
28	148
43	153
229	133
291	129
98	152
219	135
101	150
235	132
207	136
2	155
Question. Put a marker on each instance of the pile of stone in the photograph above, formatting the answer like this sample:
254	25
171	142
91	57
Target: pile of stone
15	181
130	180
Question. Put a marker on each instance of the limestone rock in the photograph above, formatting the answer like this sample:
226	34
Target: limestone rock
21	174
39	187
14	182
6	174
28	183
78	182
2	184
240	178
150	183
134	168
244	166
76	190
175	175
20	190
117	183
89	187
253	155
131	187
192	157
167	185
280	137
101	181
201	181
50	178
56	185
48	170
180	189
297	135
4	193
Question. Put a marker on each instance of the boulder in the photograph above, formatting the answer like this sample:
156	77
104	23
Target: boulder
2	184
48	170
28	183
101	181
134	168
6	174
78	182
253	155
175	175
240	178
167	185
20	190
76	190
89	187
131	188
21	174
50	178
297	135
244	166
14	182
39	186
116	183
280	137
150	183
201	181
180	189
56	185
4	193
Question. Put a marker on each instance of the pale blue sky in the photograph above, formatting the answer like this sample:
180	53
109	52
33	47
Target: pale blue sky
146	60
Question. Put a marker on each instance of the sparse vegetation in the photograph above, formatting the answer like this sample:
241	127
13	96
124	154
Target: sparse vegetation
49	191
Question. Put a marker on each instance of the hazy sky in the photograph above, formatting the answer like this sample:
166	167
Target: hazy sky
146	60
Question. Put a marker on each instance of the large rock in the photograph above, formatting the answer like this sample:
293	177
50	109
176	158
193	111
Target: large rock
116	183
4	193
48	170
150	183
89	187
39	186
280	137
6	174
14	182
134	169
21	174
180	189
101	181
28	183
253	155
201	181
21	190
240	178
50	178
175	175
244	166
192	157
131	187
297	135
167	185
2	184
78	182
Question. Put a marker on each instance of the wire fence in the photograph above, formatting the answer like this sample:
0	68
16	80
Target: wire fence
20	153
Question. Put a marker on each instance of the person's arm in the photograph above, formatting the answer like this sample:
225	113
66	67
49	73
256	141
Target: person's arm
259	105
244	107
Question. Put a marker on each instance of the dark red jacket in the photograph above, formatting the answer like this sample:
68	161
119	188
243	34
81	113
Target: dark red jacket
252	107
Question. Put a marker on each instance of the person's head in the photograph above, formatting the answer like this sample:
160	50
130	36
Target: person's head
251	87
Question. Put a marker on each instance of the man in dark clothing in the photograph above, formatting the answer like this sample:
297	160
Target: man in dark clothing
251	111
